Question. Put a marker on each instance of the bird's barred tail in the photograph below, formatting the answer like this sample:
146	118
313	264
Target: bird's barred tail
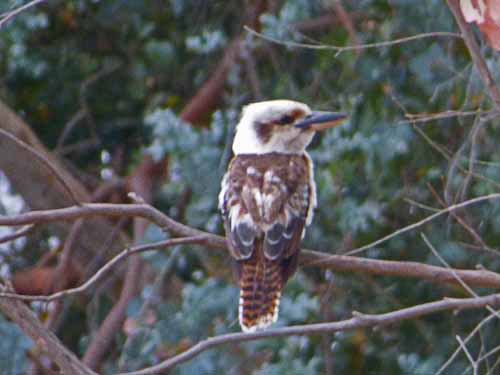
260	293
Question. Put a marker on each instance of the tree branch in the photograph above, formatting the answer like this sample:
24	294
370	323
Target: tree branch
152	214
107	267
45	161
358	320
435	274
41	190
4	17
141	183
340	49
111	210
205	100
343	263
18	312
446	210
19	233
475	53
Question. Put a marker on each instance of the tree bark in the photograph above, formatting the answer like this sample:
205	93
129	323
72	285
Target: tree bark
36	183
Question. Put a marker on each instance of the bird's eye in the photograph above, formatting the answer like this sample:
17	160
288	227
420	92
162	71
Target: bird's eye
285	120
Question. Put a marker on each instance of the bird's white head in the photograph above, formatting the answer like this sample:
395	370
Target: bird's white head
283	126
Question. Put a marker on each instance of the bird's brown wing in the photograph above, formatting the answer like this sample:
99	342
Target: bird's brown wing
265	202
265	197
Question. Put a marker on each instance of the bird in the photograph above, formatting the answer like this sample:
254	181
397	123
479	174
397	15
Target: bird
267	199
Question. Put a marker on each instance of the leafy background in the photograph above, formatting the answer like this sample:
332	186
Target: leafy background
132	67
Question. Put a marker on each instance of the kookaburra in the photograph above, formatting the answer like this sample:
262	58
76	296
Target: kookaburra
267	199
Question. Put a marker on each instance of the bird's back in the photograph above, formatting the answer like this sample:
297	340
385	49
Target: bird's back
265	201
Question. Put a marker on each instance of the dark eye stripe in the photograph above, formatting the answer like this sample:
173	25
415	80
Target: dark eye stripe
285	120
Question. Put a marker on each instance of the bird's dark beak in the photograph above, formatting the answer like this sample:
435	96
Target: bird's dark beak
319	120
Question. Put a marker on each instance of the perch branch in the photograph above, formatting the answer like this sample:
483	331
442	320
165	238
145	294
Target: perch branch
358	320
341	263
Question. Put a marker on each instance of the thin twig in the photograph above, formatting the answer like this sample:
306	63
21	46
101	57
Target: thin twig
426	117
466	226
489	353
359	320
469	356
441	259
341	49
84	88
106	268
420	205
469	337
446	155
455	274
346	20
494	367
73	121
19	233
8	15
158	284
423	221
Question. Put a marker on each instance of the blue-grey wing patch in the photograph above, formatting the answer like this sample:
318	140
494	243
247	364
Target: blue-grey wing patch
243	239
275	241
283	241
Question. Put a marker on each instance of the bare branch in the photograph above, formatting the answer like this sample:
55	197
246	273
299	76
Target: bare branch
106	268
346	21
475	53
455	274
445	154
423	221
48	342
19	233
4	17
426	117
341	49
150	213
141	182
102	339
464	224
469	336
208	95
435	274
341	263
467	353
110	210
491	352
74	120
359	320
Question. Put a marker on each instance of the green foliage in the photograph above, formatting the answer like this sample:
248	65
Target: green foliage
293	367
14	348
196	157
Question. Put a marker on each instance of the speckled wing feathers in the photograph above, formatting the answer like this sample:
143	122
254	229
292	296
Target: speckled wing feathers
265	200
